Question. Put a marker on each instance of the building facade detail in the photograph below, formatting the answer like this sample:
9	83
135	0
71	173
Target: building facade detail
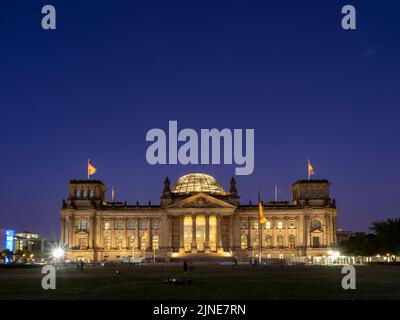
196	217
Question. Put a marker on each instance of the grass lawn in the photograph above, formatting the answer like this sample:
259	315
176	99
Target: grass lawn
209	282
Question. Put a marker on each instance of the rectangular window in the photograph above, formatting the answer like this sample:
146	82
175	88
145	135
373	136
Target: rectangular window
119	225
143	225
106	226
244	224
315	242
131	225
156	225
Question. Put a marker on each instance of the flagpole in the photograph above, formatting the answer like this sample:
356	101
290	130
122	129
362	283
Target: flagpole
276	193
88	175
308	169
259	231
259	240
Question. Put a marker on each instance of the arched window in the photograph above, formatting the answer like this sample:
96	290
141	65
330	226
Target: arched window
280	225
268	240
78	193
315	224
91	193
268	224
280	241
292	225
85	193
155	242
107	225
83	225
131	242
243	242
107	242
292	241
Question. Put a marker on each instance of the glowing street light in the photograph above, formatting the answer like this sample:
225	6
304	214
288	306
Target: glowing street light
58	253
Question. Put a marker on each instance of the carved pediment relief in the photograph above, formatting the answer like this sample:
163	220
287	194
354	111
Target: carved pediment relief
201	200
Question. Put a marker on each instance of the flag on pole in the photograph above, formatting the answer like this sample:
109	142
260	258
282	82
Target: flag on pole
112	193
261	216
310	170
91	170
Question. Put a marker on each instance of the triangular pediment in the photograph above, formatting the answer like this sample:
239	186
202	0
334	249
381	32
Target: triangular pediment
201	200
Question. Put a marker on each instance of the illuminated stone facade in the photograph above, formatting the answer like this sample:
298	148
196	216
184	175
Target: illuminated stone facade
197	218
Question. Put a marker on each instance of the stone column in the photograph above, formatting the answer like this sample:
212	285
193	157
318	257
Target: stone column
285	232
112	222
236	232
62	240
194	244
71	232
219	234
334	241
306	232
125	243
273	222
99	232
207	244
137	240
249	234
149	234
182	234
164	231
231	232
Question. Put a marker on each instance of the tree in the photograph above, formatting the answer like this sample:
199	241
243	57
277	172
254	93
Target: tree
387	235
360	244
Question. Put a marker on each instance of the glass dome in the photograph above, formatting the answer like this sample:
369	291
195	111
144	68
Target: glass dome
198	182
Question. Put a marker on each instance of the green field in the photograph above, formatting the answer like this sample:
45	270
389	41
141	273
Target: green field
208	282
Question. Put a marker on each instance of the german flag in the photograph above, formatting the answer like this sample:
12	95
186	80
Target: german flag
91	169
261	216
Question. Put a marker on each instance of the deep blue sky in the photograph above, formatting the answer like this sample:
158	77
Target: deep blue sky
115	69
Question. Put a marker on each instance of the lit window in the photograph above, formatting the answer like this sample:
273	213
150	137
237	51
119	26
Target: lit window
131	242
78	193
85	193
268	225
107	225
143	242
155	242
91	193
243	242
82	243
280	224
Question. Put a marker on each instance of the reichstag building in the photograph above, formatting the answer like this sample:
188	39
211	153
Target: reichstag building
197	219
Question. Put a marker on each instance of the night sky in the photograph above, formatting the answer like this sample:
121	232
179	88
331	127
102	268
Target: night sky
115	69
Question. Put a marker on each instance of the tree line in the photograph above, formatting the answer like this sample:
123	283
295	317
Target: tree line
383	240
